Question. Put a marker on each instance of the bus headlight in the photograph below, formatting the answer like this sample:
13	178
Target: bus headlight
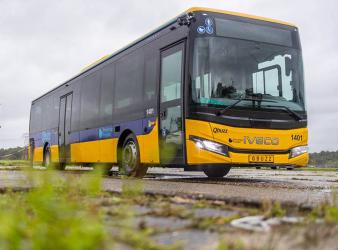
298	151
211	146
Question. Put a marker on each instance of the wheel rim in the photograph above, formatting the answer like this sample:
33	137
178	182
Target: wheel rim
47	159
129	157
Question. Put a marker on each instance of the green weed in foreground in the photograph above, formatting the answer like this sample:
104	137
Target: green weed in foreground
327	211
14	163
58	214
65	212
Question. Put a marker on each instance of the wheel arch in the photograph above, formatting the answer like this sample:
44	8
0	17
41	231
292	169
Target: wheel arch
45	146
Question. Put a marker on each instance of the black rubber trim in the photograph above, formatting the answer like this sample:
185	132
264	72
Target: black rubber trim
254	151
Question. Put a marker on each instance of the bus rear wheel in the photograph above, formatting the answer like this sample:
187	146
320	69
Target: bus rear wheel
47	160
216	171
129	163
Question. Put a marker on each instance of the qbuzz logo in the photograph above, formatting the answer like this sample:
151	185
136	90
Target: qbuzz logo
207	28
219	130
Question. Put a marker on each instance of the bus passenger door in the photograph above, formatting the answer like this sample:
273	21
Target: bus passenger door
64	126
171	120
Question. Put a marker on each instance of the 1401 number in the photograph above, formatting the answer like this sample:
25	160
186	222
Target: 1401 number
297	137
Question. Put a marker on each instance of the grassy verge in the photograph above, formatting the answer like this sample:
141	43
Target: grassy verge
65	212
318	169
12	163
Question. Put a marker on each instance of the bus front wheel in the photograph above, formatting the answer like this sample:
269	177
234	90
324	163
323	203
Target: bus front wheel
129	163
216	171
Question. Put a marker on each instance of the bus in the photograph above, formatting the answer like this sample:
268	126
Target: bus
207	91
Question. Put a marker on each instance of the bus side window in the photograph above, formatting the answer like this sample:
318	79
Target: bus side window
171	77
129	81
90	101
107	95
150	78
36	117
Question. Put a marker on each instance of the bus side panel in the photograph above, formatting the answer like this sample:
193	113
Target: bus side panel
149	147
108	150
54	150
85	152
38	154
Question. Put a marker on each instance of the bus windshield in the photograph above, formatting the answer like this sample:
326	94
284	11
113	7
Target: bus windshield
226	70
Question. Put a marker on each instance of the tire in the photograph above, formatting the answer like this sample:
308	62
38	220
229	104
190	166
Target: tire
59	166
47	161
274	167
258	167
106	169
289	168
47	158
129	159
31	155
216	171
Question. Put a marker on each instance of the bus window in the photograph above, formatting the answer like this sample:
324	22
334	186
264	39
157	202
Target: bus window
129	78
36	117
150	76
171	77
90	101
106	103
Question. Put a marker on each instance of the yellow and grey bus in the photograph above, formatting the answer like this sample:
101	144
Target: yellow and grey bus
207	91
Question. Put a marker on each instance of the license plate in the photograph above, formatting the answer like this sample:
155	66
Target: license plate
261	158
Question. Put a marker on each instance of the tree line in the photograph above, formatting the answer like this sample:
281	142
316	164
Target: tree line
18	153
324	159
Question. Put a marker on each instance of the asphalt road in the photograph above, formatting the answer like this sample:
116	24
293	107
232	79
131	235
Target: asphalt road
242	186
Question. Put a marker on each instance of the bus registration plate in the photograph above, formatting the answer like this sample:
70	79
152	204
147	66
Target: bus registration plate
261	158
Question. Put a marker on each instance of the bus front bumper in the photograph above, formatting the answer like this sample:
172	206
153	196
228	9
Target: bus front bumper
201	156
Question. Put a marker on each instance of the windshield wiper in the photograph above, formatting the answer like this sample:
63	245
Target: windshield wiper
254	99
296	116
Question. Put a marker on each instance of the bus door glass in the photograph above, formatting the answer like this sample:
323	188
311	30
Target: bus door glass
171	123
64	126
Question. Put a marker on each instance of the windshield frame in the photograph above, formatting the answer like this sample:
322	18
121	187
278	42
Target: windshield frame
247	111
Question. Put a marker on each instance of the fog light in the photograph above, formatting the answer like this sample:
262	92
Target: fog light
211	146
298	151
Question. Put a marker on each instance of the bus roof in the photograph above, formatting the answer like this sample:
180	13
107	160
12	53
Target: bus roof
192	9
165	25
232	13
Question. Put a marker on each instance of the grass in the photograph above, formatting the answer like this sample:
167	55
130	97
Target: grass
55	215
12	163
327	211
318	169
273	209
66	212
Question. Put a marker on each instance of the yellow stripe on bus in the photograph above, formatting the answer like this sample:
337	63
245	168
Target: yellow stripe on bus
54	151
38	154
101	151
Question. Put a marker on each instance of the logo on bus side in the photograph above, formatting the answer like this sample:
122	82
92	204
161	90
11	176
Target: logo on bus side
207	28
219	130
261	140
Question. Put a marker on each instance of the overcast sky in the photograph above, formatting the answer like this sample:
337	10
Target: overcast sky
43	43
